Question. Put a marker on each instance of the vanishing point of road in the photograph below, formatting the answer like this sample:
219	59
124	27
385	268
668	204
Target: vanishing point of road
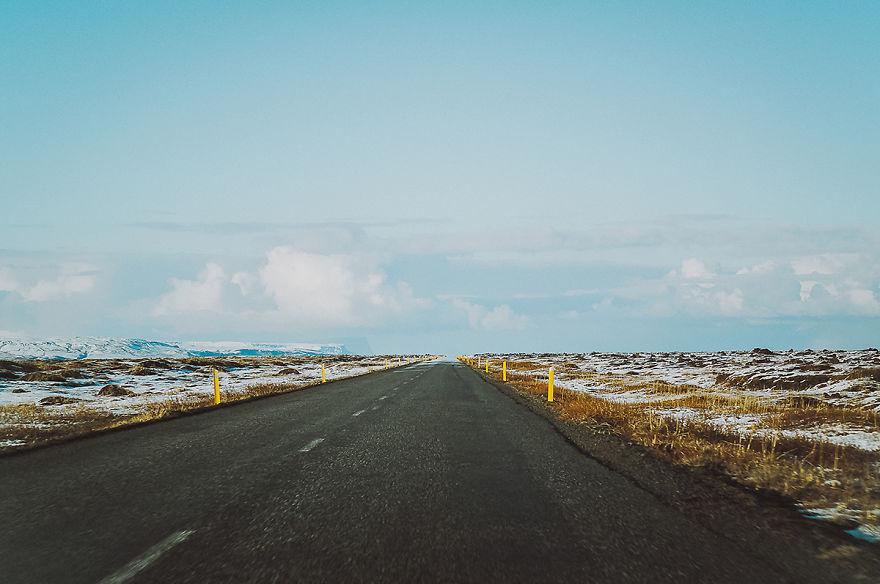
425	473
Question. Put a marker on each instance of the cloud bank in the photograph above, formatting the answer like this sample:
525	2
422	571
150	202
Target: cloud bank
598	282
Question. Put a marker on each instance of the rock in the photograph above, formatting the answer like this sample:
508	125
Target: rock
72	373
19	390
865	373
25	366
157	363
113	390
44	376
762	351
57	400
7	375
288	371
141	370
816	367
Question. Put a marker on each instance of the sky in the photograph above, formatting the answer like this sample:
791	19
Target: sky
507	176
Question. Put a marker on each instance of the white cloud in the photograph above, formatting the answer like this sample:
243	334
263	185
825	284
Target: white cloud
807	289
568	315
8	282
823	264
205	294
312	287
247	283
761	268
864	300
499	318
730	303
294	288
332	290
74	278
694	269
839	284
64	285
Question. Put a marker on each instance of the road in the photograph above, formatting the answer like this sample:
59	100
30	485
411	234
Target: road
420	474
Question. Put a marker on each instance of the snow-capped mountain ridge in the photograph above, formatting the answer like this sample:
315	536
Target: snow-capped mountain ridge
111	348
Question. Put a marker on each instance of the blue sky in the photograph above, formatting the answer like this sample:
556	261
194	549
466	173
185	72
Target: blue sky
513	176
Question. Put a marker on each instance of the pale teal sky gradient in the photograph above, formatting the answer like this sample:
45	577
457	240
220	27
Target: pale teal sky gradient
495	152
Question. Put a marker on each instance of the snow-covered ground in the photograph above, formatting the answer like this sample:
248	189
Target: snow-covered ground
116	348
161	384
843	379
849	378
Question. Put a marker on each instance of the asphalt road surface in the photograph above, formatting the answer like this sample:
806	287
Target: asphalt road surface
421	474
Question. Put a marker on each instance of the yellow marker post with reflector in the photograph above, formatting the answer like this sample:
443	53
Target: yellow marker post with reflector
504	370
550	387
487	366
216	387
323	374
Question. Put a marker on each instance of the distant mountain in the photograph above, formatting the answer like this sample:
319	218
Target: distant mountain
109	348
212	349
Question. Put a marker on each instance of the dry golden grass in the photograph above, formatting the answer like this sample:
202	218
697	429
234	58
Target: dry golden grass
815	473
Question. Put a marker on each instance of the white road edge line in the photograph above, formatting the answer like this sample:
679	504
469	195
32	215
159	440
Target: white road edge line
311	444
358	413
137	565
383	397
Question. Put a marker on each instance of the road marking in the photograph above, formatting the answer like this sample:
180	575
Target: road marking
358	413
383	397
375	407
137	565
311	444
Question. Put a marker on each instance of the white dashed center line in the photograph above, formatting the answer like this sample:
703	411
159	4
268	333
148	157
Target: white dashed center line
358	413
311	444
137	565
383	397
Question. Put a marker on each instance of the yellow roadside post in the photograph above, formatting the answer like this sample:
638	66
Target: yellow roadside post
487	365
216	387
386	363
504	370
550	387
323	374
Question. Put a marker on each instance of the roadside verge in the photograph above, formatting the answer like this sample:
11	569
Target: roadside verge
762	522
39	426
